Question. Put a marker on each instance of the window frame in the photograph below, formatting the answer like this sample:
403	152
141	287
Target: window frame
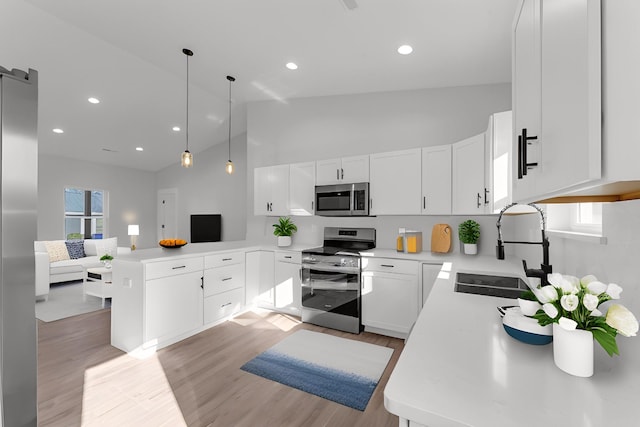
88	216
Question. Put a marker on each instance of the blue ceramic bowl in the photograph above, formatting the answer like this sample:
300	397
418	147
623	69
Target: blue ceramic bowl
526	329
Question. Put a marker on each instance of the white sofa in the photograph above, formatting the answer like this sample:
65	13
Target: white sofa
48	272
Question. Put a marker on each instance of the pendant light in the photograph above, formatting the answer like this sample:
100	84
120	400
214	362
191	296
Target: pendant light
187	157
229	166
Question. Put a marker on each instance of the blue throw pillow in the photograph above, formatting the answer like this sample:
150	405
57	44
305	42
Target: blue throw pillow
75	248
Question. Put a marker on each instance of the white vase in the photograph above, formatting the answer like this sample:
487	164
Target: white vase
470	248
284	241
573	351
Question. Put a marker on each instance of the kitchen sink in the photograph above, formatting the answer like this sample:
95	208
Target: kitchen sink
495	286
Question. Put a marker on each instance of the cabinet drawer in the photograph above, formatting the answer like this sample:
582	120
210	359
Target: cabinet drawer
400	266
222	279
155	270
292	257
219	260
222	305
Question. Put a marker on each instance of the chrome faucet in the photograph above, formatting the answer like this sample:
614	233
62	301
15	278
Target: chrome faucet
545	267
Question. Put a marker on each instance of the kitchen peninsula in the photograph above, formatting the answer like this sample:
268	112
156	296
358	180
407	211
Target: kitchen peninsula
460	368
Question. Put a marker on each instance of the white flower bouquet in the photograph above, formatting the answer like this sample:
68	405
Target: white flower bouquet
573	304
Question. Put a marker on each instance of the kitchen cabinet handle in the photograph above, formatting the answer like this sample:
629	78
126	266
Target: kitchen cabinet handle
227	259
267	206
224	305
520	174
478	198
341	173
387	265
424	202
178	267
486	199
312	206
227	278
202	282
338	174
525	144
370	203
287	257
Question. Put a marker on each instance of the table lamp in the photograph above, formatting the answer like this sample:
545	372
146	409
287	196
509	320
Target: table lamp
134	230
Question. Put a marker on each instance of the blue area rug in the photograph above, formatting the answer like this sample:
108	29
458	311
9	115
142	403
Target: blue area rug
342	370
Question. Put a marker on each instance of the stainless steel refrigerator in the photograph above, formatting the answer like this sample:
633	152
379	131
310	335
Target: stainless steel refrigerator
18	227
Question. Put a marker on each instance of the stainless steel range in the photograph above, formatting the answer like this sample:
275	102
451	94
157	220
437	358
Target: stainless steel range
331	278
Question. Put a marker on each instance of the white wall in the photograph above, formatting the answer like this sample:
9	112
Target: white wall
617	261
335	126
132	195
206	188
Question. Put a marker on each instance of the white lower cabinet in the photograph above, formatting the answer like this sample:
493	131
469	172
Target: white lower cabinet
172	306
223	305
390	295
288	295
223	285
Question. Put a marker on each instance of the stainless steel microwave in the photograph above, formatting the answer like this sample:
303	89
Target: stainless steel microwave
343	199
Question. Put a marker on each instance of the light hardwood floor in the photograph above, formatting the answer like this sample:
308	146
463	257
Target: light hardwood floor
83	380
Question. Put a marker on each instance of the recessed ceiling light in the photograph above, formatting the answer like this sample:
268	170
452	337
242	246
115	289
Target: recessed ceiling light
405	49
58	130
176	128
292	65
139	149
94	100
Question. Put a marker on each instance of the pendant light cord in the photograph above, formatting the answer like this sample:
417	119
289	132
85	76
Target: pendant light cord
187	100
231	79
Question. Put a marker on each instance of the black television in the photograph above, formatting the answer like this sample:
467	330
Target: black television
206	228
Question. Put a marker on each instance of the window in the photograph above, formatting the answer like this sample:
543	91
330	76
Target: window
84	213
577	221
586	218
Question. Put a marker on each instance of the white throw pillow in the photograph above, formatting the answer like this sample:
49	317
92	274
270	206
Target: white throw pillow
57	250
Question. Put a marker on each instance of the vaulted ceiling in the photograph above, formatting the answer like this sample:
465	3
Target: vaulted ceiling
128	54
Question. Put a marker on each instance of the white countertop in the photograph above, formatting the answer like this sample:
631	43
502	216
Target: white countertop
199	249
460	368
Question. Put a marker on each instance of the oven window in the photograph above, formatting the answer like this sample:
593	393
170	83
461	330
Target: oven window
332	301
333	201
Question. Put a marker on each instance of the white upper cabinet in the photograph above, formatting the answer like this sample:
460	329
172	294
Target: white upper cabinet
395	183
498	150
436	180
271	190
345	170
468	176
302	181
556	96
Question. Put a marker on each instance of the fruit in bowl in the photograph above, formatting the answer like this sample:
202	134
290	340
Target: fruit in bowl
172	243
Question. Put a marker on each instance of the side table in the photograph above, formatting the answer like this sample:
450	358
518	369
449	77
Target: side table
97	282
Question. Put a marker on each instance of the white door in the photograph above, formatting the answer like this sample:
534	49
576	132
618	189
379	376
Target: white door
436	180
526	97
328	171
302	181
261	191
288	292
570	140
355	169
167	214
279	186
395	182
389	301
468	176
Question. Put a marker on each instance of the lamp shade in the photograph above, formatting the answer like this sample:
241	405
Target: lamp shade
134	230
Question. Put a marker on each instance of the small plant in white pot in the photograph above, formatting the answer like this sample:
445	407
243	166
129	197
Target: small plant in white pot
469	232
284	229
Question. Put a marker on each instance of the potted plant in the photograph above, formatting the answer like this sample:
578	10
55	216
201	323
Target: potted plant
106	259
469	232
284	229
